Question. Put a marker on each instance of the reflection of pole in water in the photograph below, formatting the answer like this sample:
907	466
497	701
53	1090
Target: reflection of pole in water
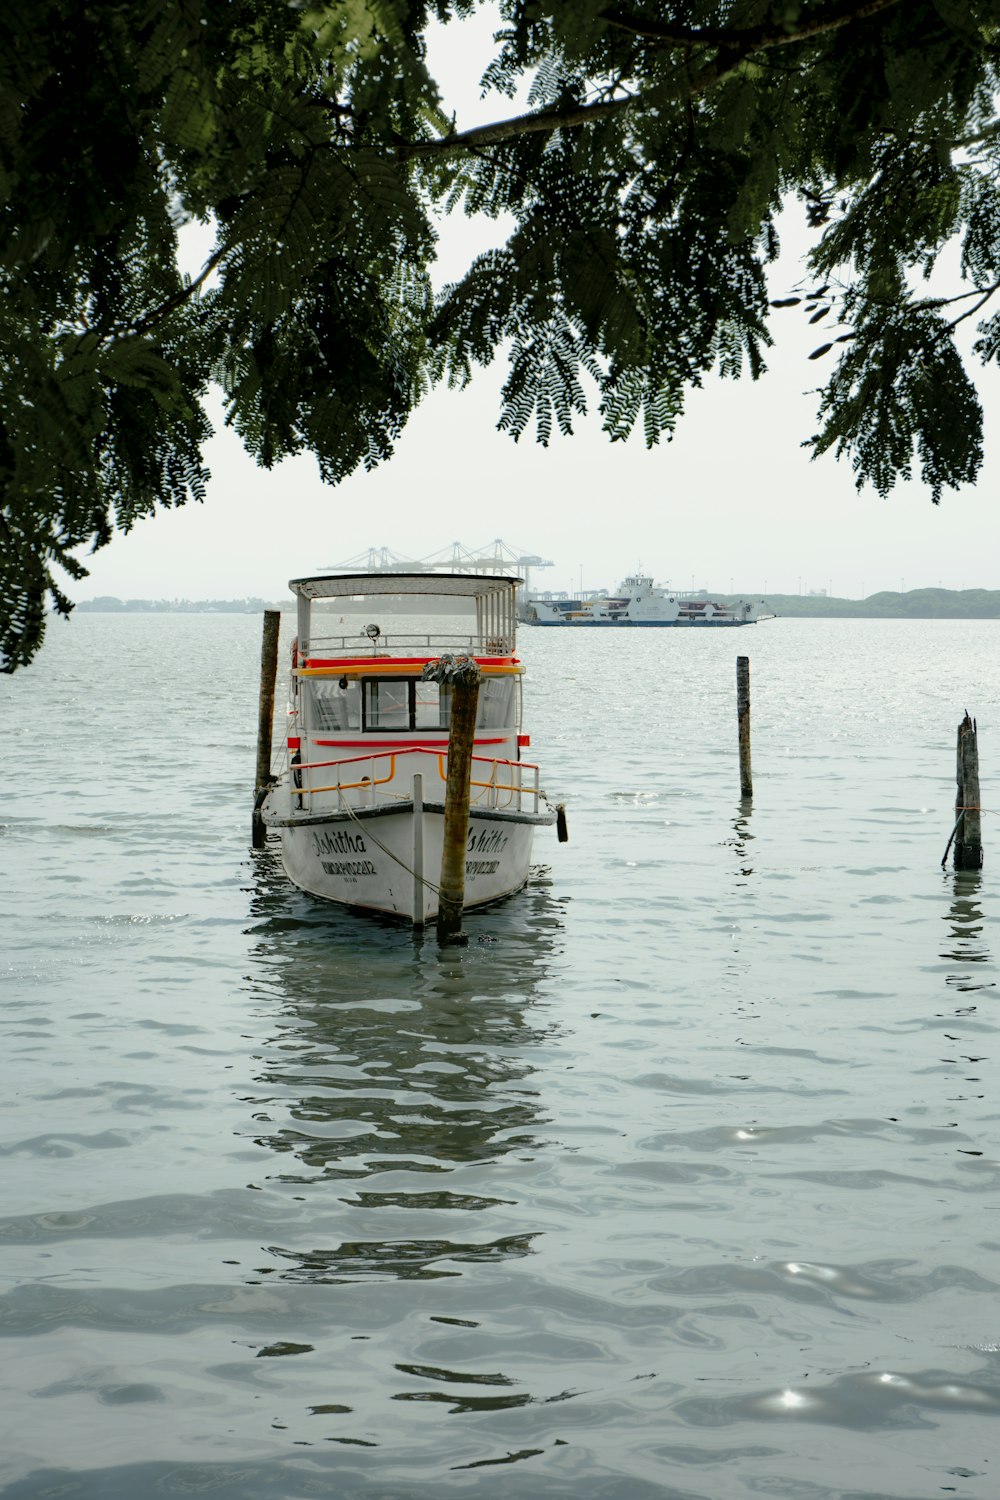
742	837
967	942
739	964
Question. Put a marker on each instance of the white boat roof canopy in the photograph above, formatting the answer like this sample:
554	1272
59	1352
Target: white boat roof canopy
347	585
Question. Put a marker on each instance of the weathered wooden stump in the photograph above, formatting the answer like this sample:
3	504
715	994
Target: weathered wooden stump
462	677
743	718
968	820
265	718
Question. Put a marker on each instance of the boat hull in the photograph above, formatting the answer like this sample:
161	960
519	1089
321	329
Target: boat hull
389	860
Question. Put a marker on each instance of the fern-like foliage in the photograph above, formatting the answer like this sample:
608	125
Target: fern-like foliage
660	215
899	397
115	125
642	175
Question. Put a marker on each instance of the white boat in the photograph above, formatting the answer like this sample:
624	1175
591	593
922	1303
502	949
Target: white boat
641	602
360	806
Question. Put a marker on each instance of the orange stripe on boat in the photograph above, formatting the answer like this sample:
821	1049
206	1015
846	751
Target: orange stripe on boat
436	746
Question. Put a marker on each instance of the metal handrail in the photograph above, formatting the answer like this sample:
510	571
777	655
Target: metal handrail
486	643
512	787
349	786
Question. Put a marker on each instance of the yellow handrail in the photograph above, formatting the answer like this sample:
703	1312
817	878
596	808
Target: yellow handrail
350	786
510	787
492	784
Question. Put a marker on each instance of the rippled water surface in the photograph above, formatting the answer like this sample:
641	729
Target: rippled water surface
680	1181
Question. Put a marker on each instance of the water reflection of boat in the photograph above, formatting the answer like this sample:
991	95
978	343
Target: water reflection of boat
390	1091
360	809
640	602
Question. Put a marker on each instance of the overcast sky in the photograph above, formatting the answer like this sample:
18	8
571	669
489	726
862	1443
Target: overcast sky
732	503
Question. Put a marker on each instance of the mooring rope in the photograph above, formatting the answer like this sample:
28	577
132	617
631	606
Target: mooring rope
401	862
961	814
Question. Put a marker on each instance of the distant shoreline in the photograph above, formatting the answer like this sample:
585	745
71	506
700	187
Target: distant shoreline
109	605
917	604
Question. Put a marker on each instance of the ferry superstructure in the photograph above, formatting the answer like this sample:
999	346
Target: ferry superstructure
639	601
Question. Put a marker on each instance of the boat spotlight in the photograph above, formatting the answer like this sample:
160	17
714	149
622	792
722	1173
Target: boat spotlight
372	632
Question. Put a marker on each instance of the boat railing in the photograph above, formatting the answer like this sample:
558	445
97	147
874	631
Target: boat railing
394	644
377	779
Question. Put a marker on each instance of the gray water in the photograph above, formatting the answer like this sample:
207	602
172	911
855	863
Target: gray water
680	1181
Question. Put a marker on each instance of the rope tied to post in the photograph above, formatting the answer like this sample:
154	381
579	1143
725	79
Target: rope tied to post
385	850
958	823
451	668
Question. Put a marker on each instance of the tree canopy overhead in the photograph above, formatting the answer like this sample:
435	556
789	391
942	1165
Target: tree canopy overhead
643	178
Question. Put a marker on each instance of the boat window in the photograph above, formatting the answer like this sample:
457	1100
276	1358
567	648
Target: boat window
432	707
496	703
404	703
332	707
387	703
409	703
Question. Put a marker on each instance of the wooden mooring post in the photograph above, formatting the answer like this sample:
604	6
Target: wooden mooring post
462	677
265	718
743	717
968	822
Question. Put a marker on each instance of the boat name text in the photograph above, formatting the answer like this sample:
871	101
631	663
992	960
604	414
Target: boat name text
486	843
338	843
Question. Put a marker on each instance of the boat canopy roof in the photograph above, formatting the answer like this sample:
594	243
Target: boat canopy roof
346	585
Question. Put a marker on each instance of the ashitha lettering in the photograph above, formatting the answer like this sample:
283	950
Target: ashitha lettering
491	842
337	843
350	870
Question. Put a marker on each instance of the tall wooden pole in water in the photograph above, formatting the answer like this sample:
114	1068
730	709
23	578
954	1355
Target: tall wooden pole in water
461	675
968	822
265	716
743	715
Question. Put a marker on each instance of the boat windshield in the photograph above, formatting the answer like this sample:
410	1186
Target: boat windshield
403	703
391	703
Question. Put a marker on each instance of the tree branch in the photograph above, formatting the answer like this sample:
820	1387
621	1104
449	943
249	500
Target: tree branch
157	314
753	38
535	123
736	47
987	293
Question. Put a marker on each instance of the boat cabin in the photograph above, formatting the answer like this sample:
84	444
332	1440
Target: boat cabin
362	718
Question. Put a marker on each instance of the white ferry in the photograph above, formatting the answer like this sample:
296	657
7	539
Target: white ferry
360	805
640	602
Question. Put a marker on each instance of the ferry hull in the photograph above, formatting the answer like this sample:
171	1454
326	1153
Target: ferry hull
642	602
716	624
